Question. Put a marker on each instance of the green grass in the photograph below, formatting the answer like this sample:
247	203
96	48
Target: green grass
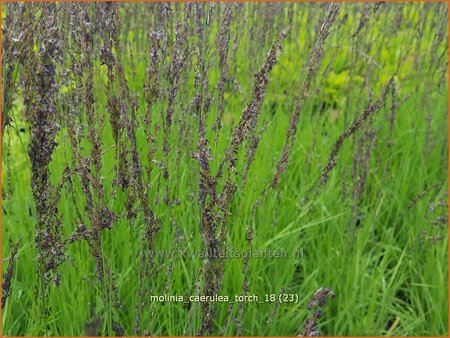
388	276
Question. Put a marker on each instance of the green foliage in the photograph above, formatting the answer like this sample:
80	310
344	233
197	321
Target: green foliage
379	245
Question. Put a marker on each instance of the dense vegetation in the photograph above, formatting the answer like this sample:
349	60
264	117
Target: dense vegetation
149	147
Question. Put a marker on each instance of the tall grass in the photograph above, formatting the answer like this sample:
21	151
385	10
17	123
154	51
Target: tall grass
144	144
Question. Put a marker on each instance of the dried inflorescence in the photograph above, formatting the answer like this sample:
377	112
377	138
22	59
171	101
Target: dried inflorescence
118	329
365	145
315	304
7	278
40	98
367	10
14	34
313	65
355	126
250	114
83	83
223	48
214	204
88	168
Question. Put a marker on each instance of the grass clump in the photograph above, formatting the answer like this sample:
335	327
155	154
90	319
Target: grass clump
224	169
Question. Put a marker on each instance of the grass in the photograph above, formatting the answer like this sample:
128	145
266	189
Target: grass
376	248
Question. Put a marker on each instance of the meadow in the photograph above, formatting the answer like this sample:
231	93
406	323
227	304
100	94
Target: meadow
224	169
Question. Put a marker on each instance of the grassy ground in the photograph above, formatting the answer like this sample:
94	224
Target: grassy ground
375	232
